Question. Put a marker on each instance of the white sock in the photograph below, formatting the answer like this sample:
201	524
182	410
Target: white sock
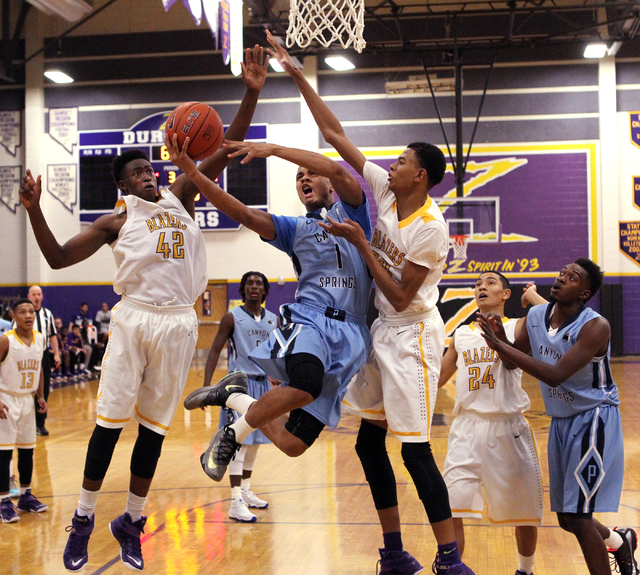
526	563
135	506
23	490
87	503
614	541
242	429
240	402
236	493
245	484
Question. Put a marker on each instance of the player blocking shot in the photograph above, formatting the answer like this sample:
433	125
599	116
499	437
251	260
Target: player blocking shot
160	257
566	345
492	455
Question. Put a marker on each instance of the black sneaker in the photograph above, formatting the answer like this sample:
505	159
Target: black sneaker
220	452
42	430
235	382
625	562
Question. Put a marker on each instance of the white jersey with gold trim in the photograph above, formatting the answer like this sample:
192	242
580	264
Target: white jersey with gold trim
420	238
160	252
20	370
483	384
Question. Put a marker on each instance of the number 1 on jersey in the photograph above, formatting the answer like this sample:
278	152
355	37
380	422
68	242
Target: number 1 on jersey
338	256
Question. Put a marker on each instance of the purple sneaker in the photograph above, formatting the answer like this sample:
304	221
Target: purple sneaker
127	533
397	563
458	569
28	502
75	553
8	511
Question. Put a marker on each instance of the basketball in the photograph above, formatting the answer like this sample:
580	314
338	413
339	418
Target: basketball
201	123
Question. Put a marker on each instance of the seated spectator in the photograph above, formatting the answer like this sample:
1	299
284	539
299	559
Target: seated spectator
77	351
80	316
63	346
103	318
93	348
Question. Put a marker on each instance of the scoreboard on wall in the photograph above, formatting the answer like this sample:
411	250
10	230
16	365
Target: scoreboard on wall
99	194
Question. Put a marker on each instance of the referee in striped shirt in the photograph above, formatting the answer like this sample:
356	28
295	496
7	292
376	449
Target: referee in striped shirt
46	326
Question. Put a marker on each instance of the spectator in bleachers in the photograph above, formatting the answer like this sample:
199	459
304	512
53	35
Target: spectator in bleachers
80	316
65	362
77	352
103	318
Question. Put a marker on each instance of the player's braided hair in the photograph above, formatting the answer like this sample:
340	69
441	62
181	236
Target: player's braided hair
243	283
119	162
594	272
431	159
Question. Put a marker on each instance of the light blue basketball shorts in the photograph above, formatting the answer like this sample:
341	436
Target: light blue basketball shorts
341	346
586	461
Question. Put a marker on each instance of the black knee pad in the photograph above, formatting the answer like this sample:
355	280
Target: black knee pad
146	452
372	451
306	373
5	465
101	445
427	478
304	426
25	465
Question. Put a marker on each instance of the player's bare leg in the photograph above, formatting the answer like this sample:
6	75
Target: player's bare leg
458	527
591	541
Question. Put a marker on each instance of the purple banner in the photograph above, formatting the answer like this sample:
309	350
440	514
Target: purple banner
225	31
630	240
636	191
634	120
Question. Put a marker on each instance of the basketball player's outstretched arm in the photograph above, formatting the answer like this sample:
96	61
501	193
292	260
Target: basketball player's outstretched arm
104	230
342	181
256	220
254	73
329	125
399	293
592	341
448	366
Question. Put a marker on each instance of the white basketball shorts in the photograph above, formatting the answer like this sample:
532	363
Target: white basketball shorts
494	459
399	382
146	364
19	429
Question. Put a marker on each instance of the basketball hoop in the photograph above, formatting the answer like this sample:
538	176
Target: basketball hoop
459	244
342	20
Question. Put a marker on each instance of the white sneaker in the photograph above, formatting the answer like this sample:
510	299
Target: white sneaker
252	500
240	512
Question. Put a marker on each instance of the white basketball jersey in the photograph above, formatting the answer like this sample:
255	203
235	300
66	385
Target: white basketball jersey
483	384
420	238
160	252
20	370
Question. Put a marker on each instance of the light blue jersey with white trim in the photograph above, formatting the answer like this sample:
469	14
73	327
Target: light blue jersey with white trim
330	270
586	389
248	333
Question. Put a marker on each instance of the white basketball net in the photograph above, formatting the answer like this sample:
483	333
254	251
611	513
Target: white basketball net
342	20
459	244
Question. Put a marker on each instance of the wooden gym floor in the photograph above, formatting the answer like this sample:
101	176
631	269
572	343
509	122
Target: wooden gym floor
320	520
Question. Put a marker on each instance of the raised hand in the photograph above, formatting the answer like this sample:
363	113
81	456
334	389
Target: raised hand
254	69
30	191
492	329
179	157
251	149
280	54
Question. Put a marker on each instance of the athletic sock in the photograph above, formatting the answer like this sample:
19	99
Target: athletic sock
23	490
448	554
135	506
236	493
87	503
242	429
240	402
614	541
392	541
245	484
526	563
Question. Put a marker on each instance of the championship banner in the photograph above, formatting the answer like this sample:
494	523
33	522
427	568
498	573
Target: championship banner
63	127
10	180
10	131
630	240
634	120
225	30
636	191
62	183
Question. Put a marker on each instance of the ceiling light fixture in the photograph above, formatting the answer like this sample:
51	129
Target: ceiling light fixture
58	77
595	50
339	63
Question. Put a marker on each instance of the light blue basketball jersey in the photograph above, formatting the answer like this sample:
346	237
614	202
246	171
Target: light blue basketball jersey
586	389
248	333
330	270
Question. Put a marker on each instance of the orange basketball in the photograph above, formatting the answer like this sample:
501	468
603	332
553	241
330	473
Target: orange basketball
201	123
